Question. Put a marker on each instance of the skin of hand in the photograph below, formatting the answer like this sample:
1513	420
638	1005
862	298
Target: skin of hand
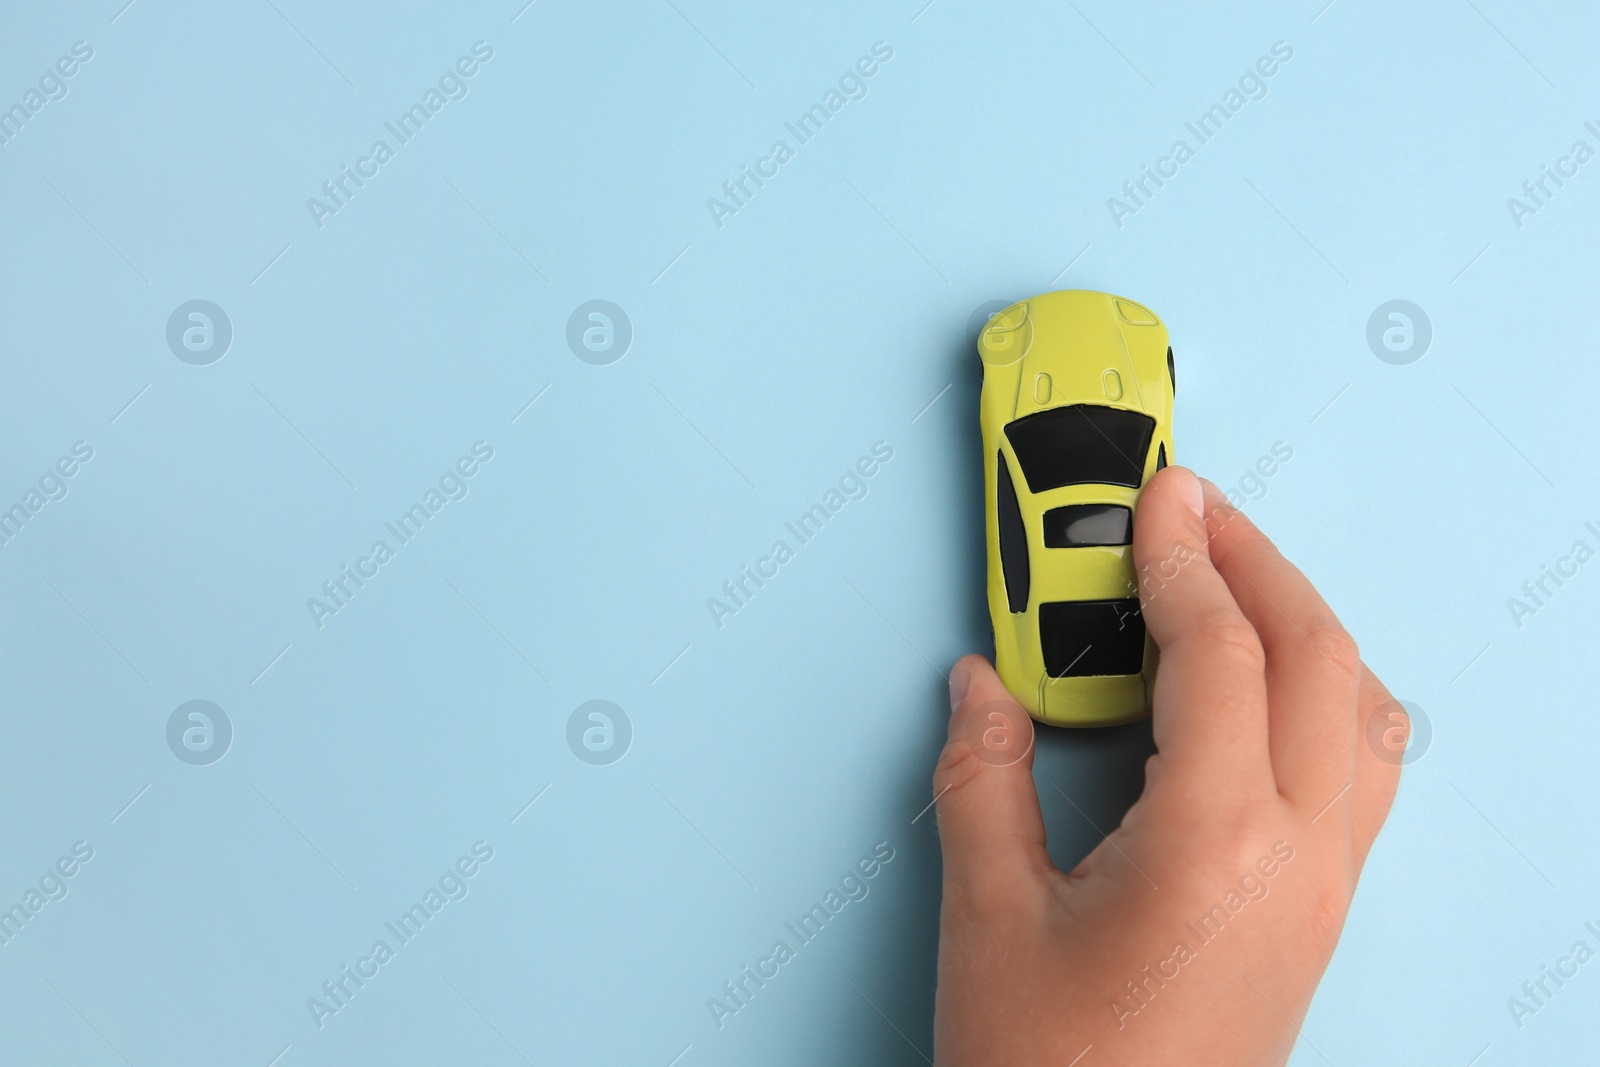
1197	931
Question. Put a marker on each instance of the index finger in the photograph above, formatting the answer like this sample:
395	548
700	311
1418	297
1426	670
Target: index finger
1210	698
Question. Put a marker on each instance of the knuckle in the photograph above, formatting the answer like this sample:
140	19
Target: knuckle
1335	644
958	765
1235	638
995	902
1326	910
1240	539
1154	768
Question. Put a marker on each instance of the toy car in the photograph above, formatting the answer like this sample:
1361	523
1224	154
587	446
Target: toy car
1076	414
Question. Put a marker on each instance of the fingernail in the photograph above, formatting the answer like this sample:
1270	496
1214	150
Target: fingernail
960	678
1190	492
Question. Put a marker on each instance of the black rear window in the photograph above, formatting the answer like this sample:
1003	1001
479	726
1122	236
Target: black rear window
1082	444
1081	638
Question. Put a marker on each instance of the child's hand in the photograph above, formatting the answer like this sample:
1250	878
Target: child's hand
1196	933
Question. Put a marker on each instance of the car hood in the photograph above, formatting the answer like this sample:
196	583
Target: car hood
1074	350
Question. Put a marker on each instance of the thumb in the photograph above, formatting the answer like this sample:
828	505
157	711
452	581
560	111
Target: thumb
990	826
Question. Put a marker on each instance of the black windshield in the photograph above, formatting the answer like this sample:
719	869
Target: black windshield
1083	444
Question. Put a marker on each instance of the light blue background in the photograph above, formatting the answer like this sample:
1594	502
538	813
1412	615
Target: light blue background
768	355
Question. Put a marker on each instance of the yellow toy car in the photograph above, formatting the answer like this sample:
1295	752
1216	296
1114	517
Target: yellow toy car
1077	415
